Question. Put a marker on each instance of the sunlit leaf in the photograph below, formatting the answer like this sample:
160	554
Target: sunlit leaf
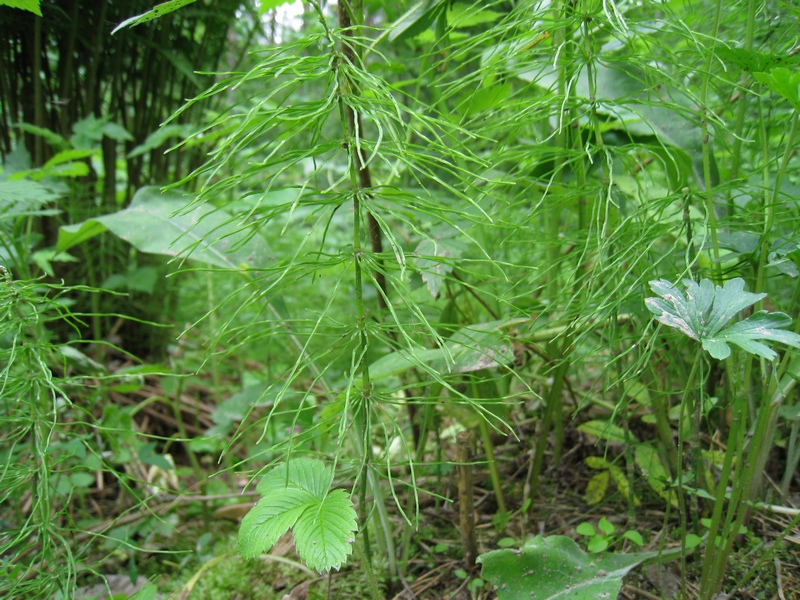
704	310
417	19
29	5
297	496
264	6
784	82
157	11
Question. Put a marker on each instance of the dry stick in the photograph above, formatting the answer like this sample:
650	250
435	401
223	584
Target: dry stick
466	510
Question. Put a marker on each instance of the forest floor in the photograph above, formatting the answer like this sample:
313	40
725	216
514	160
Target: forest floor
193	556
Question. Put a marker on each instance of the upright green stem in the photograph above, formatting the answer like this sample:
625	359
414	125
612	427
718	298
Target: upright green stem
553	403
689	407
769	209
552	216
716	559
350	14
736	154
709	187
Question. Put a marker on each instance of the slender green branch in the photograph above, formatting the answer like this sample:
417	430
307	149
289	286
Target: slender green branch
707	179
738	133
769	209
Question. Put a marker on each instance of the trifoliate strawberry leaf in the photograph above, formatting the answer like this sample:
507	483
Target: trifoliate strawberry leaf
270	518
324	535
705	309
302	473
297	495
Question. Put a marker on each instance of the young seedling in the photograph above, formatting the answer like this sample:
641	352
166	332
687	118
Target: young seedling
604	537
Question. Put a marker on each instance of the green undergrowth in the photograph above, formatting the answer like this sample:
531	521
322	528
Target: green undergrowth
222	574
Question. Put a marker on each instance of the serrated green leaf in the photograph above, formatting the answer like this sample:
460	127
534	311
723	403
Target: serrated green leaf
160	137
654	471
116	132
29	5
760	326
417	19
465	15
754	61
435	260
622	483
472	348
51	137
605	431
94	128
324	535
270	518
783	82
297	495
306	474
68	156
23	197
267	5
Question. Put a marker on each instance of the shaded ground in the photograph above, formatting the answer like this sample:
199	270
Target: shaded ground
187	561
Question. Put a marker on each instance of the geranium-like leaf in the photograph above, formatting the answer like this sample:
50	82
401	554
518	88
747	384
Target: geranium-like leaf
705	309
297	495
745	334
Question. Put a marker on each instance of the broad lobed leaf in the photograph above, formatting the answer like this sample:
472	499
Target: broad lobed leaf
705	309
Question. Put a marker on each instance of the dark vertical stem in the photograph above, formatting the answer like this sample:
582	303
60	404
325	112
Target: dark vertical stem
92	87
6	84
364	176
553	404
66	68
466	508
38	99
349	119
354	123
